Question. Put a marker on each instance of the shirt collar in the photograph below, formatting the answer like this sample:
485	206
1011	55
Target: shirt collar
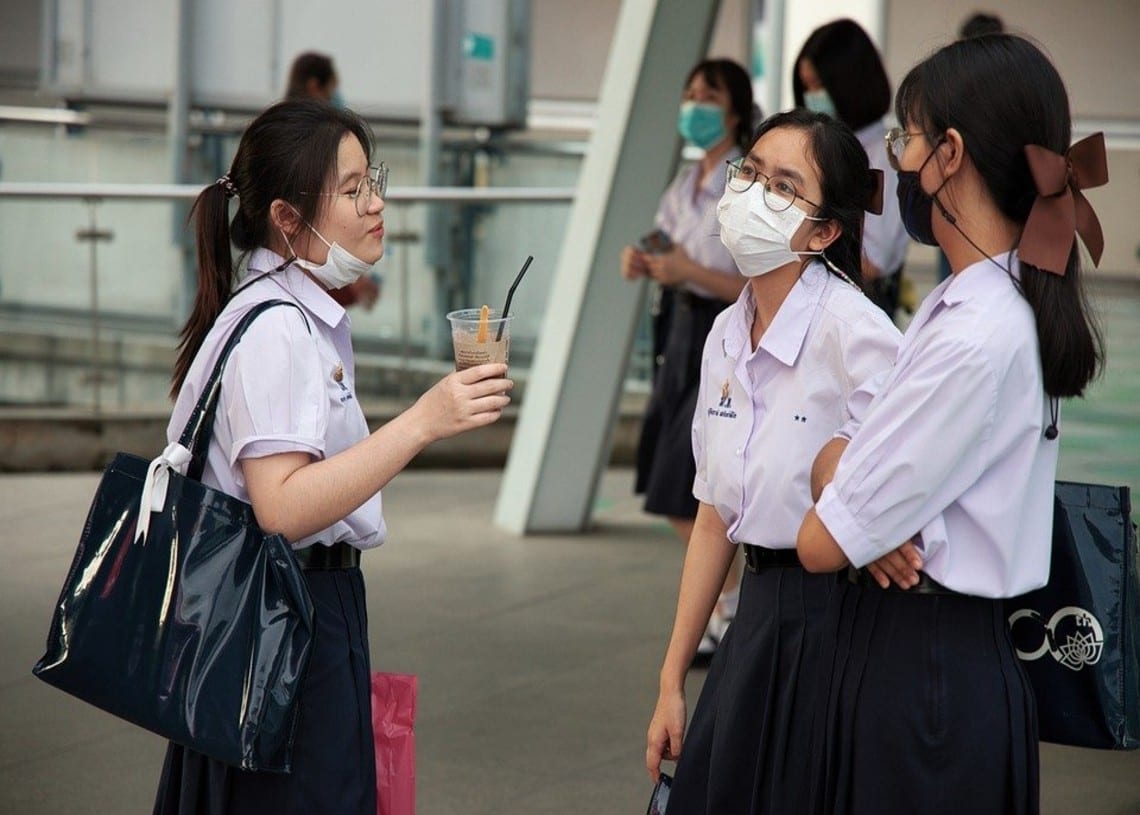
979	280
713	185
785	337
298	284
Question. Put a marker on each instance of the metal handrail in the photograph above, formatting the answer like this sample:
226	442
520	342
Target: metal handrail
92	195
127	192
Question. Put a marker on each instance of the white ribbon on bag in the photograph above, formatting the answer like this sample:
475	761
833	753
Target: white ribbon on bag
174	457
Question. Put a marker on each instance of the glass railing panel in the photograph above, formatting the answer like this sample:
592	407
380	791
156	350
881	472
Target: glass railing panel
55	348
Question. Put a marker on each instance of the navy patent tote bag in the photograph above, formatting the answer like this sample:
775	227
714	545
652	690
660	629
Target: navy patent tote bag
188	620
1079	636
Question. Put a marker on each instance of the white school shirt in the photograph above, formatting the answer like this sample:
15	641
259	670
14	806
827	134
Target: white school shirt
884	237
693	224
957	429
280	391
763	415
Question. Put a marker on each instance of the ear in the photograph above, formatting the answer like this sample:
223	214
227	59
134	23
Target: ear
826	234
952	152
284	217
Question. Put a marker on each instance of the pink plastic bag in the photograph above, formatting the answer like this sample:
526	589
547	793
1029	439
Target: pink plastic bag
393	716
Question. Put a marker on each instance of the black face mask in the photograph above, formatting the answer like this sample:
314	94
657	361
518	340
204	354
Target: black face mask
915	206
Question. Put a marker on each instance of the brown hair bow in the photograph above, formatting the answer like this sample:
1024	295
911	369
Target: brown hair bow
1061	212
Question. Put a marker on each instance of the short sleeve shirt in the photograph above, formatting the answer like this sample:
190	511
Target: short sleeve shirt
289	386
762	415
957	430
691	220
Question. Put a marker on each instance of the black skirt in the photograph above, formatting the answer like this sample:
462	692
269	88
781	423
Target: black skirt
748	745
665	467
926	709
333	759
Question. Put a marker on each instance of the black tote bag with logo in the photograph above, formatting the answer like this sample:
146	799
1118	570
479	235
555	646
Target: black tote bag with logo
1079	636
188	621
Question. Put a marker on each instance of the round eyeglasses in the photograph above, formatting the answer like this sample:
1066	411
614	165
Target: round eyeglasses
897	139
779	191
374	182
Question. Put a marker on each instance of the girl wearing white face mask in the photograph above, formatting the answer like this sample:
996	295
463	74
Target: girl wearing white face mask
784	368
289	436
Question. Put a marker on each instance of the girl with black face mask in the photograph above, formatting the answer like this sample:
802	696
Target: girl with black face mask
927	707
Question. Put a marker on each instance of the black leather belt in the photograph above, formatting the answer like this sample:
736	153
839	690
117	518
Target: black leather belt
319	556
686	298
760	557
926	584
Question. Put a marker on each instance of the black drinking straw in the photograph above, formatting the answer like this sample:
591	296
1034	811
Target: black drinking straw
510	294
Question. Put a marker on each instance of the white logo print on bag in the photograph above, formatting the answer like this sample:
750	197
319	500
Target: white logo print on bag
1072	635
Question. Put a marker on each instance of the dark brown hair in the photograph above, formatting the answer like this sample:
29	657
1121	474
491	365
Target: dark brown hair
289	149
309	65
851	70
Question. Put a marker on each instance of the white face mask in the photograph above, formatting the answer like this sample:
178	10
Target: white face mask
759	239
341	268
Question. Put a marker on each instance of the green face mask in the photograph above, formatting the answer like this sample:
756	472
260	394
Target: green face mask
702	124
820	102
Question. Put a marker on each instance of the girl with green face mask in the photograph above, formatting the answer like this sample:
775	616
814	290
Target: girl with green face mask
696	278
707	113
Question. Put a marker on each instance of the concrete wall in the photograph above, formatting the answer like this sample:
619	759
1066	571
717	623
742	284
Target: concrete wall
572	40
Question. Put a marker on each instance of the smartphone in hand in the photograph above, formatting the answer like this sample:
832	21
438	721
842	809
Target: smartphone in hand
660	798
656	242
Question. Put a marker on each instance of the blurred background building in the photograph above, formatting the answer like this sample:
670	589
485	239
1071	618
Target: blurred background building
113	113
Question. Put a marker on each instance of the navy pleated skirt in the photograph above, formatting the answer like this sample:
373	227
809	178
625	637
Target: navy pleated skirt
926	709
748	745
333	761
665	466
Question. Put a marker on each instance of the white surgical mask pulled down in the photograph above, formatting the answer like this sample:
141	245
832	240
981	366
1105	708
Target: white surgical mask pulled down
341	268
758	239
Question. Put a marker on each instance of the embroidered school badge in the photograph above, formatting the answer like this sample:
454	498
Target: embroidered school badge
725	398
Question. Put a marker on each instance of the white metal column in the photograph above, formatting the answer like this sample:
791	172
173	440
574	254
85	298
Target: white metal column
562	442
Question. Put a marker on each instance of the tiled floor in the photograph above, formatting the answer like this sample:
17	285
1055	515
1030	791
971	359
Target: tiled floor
537	657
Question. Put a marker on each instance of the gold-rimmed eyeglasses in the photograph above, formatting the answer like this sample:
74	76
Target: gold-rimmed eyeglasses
897	139
779	191
374	182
